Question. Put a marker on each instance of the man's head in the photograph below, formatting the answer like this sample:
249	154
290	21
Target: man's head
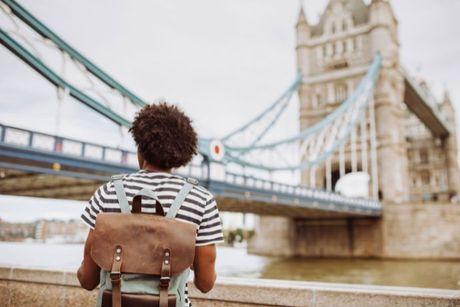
164	136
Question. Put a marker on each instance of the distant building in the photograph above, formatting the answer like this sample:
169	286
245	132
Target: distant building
72	231
16	231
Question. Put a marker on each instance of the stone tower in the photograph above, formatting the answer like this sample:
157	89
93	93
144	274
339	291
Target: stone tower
433	162
333	56
415	161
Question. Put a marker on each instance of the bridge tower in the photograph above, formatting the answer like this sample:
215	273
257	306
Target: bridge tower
449	146
333	56
407	158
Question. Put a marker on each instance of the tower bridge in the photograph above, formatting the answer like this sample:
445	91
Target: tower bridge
360	111
42	165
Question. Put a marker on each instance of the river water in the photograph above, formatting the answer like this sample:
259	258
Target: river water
235	262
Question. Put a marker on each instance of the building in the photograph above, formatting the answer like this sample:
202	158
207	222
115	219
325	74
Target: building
333	56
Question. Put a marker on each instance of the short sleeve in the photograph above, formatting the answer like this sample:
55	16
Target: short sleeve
93	207
210	229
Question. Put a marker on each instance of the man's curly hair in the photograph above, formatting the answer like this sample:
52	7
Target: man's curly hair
164	135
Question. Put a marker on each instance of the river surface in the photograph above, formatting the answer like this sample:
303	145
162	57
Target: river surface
235	262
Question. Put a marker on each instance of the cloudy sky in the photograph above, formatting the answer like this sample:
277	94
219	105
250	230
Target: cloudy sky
221	60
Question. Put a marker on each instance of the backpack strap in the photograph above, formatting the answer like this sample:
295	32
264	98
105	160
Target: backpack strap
137	200
121	195
189	183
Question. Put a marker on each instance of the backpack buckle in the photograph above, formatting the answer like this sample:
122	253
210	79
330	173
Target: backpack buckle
117	177
115	278
192	181
164	281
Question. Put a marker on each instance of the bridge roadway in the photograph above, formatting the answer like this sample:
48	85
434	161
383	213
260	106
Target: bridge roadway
424	106
43	165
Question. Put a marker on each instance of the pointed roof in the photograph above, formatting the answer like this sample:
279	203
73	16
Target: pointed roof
359	11
447	102
446	97
302	18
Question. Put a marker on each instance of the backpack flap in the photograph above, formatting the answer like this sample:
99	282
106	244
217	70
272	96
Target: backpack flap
143	239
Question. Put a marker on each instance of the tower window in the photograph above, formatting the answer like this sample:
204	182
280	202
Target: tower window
425	175
424	155
318	100
344	26
340	92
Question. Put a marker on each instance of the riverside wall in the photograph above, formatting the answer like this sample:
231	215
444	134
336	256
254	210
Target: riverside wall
411	231
28	287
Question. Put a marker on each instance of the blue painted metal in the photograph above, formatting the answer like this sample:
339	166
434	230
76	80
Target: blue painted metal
44	31
293	87
371	76
52	77
50	171
233	153
29	159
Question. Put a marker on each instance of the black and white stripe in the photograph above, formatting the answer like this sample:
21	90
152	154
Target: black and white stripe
199	207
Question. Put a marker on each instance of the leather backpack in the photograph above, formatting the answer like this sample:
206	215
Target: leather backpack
145	259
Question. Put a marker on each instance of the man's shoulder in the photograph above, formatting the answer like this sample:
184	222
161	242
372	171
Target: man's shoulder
203	192
197	190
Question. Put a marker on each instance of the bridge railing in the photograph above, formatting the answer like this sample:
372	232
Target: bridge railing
299	190
50	143
86	150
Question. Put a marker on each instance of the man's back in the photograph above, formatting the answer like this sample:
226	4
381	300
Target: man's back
198	208
165	140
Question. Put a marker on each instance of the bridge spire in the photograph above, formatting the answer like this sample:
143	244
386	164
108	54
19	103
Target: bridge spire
303	34
448	109
302	19
446	96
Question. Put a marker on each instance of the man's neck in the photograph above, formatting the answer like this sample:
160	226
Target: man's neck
151	168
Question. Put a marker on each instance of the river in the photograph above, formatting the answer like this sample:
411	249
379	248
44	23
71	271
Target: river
236	262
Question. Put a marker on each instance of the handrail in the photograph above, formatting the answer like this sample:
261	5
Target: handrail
58	143
276	189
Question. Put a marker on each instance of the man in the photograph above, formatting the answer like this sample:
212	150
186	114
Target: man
165	140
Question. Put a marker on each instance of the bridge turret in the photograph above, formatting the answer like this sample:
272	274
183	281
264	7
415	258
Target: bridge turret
451	146
303	33
448	110
389	96
384	31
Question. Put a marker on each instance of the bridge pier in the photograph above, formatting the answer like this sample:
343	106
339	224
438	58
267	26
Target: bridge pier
274	236
284	236
406	231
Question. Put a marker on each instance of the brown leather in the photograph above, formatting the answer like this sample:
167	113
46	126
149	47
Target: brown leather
137	206
165	277
136	300
143	239
115	277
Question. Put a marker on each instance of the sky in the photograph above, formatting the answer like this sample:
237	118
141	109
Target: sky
223	61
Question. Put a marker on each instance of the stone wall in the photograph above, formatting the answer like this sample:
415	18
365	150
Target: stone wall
23	287
278	237
419	231
338	238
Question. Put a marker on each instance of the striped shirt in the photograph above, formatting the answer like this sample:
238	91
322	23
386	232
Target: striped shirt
199	207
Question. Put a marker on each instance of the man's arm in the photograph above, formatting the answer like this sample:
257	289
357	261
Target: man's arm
204	267
88	273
